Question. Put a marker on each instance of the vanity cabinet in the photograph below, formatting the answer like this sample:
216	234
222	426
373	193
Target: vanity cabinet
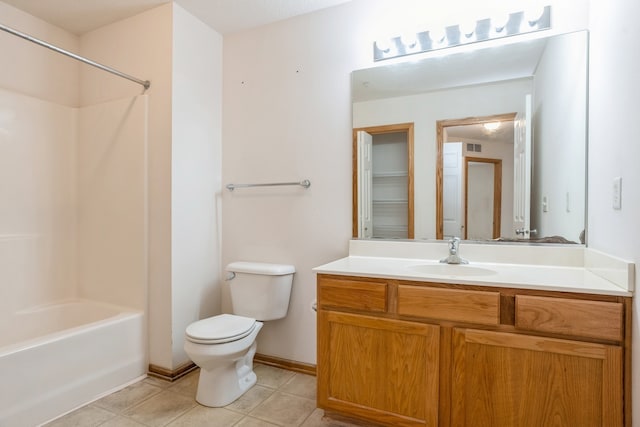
404	353
504	379
373	365
377	365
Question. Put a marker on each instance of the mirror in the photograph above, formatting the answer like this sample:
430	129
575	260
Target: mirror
522	181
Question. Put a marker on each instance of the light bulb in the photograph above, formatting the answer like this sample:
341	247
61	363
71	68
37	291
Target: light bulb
491	126
532	14
499	21
383	44
468	27
409	39
438	36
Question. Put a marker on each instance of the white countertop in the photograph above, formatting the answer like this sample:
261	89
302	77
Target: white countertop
562	278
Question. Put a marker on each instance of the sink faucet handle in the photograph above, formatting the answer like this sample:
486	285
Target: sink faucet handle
453	257
454	242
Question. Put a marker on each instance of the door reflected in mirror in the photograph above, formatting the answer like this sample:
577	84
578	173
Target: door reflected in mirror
474	177
483	198
383	185
543	190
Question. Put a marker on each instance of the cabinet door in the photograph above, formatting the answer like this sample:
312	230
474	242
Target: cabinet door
376	369
503	379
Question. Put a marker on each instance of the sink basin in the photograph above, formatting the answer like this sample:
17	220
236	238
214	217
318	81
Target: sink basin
451	270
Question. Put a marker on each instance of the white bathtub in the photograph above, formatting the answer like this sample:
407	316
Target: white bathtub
57	357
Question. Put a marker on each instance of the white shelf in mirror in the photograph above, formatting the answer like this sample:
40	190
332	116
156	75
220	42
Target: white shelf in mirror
390	202
390	231
397	174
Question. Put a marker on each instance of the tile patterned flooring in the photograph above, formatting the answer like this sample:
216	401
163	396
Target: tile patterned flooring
280	398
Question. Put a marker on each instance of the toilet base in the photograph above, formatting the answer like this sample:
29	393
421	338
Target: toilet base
222	385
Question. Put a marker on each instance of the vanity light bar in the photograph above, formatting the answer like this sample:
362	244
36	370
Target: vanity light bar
456	35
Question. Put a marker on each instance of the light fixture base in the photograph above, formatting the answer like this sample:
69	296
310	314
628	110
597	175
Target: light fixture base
455	35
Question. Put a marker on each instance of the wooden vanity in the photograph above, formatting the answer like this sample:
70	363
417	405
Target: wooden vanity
420	353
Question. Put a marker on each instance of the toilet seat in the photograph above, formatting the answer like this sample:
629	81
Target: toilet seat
220	329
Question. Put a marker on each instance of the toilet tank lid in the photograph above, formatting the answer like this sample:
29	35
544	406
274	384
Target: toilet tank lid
261	268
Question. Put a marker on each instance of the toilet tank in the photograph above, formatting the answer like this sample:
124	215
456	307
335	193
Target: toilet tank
260	290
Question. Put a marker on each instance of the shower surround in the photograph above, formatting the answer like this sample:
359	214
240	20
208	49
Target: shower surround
73	253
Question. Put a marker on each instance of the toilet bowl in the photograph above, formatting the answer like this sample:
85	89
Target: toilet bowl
223	346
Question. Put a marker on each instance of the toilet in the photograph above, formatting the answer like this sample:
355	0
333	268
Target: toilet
223	346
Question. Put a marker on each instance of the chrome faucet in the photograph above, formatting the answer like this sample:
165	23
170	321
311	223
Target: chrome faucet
454	258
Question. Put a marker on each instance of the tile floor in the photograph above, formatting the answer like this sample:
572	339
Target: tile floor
280	398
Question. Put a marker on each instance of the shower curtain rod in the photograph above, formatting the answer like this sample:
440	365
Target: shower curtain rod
145	83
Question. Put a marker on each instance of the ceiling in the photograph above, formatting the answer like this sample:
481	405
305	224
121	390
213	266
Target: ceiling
504	133
225	16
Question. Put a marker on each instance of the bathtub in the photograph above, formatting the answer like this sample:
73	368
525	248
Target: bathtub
57	357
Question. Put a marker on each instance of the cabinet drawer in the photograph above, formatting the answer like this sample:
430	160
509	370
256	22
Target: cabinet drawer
352	294
591	319
449	304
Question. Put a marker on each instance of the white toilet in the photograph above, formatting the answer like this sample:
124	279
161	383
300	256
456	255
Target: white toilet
223	346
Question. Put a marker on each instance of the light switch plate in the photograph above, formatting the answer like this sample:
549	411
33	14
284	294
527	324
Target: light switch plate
617	193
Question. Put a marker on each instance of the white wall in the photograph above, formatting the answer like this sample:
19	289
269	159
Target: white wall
38	89
182	58
614	89
75	179
142	46
33	70
112	202
558	149
424	110
287	115
196	175
38	198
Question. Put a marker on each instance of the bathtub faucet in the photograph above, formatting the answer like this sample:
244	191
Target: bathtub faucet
454	258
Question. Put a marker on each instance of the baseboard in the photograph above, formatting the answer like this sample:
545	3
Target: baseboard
289	365
171	374
182	370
